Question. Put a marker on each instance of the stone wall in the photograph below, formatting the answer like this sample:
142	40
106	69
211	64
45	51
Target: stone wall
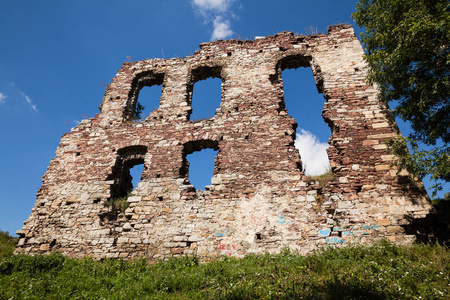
259	200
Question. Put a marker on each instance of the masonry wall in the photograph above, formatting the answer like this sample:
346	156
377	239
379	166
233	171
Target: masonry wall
259	200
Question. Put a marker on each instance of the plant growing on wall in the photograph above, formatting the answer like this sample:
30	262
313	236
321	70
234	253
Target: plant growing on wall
137	115
118	205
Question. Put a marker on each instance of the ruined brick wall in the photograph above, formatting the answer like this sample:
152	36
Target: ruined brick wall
259	200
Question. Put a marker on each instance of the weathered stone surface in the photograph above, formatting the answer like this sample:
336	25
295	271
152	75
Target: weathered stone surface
259	200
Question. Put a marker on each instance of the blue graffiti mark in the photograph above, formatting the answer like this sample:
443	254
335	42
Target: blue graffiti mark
282	221
335	240
354	231
373	226
325	232
348	233
222	233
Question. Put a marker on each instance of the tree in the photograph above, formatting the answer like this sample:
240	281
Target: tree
137	115
407	44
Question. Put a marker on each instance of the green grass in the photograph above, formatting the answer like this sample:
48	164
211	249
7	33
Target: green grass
382	271
322	179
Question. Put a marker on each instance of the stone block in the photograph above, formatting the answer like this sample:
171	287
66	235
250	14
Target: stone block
122	240
389	157
395	229
382	167
44	247
383	222
134	199
127	226
380	125
180	238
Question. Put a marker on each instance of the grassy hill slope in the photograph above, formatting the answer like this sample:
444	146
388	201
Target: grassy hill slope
382	271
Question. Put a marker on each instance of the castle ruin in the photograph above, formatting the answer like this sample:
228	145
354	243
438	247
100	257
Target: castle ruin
259	199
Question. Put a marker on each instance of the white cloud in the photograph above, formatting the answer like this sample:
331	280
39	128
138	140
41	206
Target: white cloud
34	107
221	29
212	5
2	98
313	153
216	13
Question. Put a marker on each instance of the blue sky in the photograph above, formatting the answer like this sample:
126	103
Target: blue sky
56	58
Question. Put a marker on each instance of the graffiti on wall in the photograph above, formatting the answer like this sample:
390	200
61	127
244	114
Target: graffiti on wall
220	233
335	240
346	233
282	220
226	247
257	220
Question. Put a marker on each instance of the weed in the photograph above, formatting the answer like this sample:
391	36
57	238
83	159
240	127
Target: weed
118	204
323	179
319	200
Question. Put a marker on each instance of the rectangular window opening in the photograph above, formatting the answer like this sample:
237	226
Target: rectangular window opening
201	167
205	93
147	102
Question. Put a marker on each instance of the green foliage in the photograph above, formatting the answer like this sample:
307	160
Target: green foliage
118	204
407	50
422	162
7	244
442	207
356	272
324	178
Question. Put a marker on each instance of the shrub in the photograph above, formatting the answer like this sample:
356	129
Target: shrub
7	244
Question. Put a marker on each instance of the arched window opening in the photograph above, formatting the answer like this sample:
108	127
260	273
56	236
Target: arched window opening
144	96
206	97
199	161
305	104
127	170
147	101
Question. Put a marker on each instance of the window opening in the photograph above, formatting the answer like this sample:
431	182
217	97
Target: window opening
201	167
206	93
305	104
126	174
144	96
129	178
199	162
127	171
206	98
148	98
